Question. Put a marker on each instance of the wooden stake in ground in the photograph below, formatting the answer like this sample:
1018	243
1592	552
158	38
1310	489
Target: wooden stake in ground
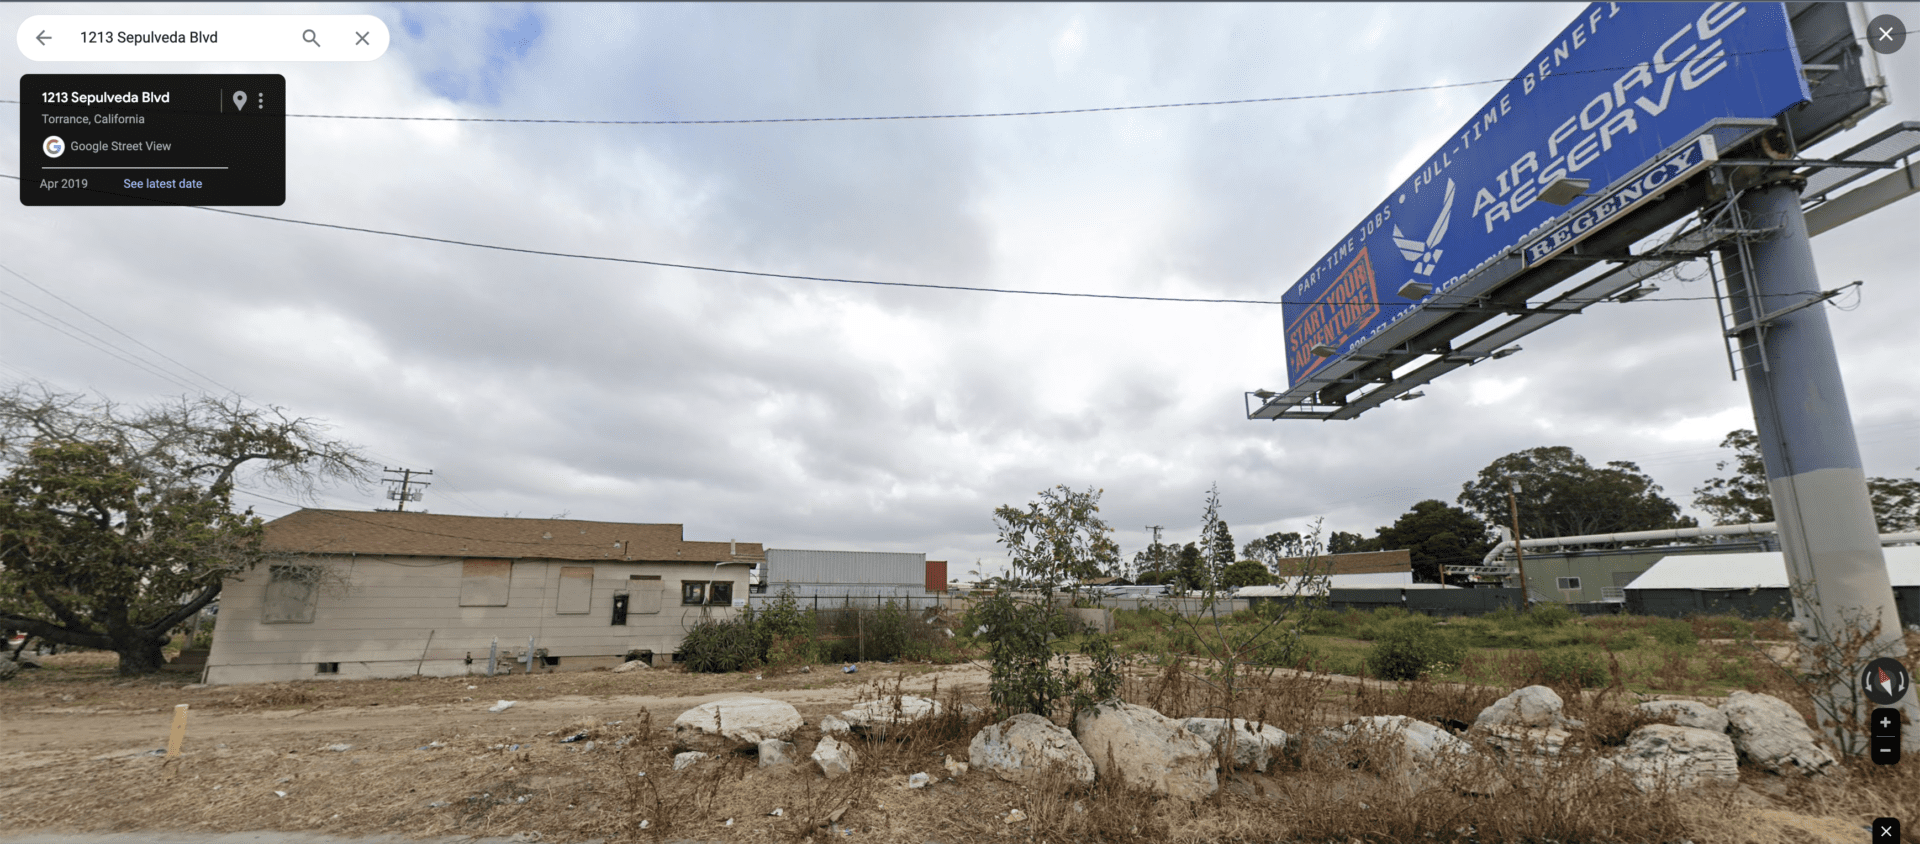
179	731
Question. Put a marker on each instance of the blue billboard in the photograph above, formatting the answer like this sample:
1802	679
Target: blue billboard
1619	86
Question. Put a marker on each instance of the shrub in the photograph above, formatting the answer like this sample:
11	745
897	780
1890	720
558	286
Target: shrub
728	645
1572	667
1672	631
1407	648
1549	615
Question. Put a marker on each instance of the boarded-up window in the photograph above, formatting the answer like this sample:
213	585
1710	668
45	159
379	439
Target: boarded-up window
646	590
576	589
290	594
483	583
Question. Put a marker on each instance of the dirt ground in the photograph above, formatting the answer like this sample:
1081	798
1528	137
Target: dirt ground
425	757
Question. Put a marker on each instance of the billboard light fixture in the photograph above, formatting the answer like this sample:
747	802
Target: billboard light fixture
1415	290
1640	292
1324	350
1264	394
1565	191
1408	396
1506	352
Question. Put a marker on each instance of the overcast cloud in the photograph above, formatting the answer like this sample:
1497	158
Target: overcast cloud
805	414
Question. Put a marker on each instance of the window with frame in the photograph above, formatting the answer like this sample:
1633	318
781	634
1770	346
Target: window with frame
1568	582
706	593
693	593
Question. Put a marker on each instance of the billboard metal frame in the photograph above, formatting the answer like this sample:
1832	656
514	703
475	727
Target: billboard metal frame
1425	343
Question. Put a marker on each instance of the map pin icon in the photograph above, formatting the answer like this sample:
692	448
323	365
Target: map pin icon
240	100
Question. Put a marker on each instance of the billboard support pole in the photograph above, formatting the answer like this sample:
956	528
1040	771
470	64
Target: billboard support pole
1826	525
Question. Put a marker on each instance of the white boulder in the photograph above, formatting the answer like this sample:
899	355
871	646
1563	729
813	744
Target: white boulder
734	723
1022	749
683	761
1421	743
876	717
774	752
1251	748
1686	713
1533	706
1769	733
1660	756
831	724
1147	750
1525	741
835	757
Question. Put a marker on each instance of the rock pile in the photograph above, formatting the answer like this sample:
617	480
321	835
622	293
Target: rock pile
1699	746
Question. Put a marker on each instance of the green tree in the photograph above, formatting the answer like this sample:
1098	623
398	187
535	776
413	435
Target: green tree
1896	503
1216	542
1155	561
1059	539
1436	534
1561	494
1343	542
1248	572
1744	496
1189	568
116	524
1269	550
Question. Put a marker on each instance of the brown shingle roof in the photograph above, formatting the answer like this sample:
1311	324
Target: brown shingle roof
431	535
1364	562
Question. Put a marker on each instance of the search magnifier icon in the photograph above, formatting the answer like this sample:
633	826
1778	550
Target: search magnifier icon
308	37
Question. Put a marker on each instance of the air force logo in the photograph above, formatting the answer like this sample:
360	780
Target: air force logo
1425	255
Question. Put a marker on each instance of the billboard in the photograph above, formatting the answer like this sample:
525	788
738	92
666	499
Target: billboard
1620	86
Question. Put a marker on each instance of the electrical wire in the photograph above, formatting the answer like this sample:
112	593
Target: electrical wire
108	349
999	114
521	250
84	312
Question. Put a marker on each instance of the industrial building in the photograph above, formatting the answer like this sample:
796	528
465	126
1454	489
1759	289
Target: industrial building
820	576
1753	585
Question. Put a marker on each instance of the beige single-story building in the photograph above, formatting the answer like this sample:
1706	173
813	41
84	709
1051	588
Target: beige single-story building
352	594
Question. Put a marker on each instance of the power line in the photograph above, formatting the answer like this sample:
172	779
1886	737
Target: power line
115	330
108	349
830	279
1440	86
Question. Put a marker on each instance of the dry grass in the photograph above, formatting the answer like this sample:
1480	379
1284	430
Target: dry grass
477	783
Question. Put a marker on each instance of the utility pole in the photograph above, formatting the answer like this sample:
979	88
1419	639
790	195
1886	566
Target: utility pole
1519	556
406	481
1157	555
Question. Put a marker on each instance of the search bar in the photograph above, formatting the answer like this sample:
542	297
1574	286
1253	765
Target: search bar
203	38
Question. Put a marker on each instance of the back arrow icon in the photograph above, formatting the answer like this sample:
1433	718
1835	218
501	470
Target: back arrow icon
42	38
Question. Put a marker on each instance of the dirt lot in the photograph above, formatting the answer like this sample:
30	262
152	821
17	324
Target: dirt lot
424	757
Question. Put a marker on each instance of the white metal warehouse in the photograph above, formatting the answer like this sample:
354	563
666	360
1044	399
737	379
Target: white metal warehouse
1752	584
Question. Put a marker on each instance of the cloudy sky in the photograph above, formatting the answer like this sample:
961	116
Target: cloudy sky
810	414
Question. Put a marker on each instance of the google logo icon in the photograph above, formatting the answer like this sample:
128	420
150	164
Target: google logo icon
53	146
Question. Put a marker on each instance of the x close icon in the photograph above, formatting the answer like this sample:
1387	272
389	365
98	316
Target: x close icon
1886	34
363	39
1886	831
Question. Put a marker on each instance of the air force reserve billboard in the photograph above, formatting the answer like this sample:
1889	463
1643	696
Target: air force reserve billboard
1623	84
